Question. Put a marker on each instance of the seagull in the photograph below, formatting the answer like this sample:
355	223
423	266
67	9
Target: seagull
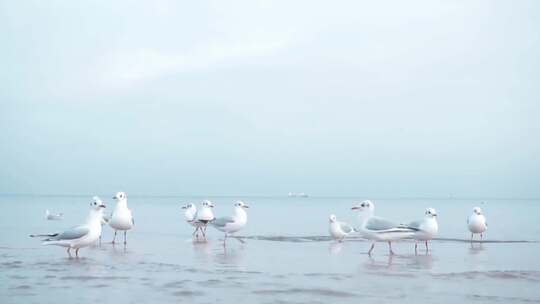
379	229
425	229
339	230
121	218
190	215
79	236
53	216
205	215
104	218
232	224
477	223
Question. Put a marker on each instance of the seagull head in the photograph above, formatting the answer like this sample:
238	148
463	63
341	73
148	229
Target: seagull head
208	204
241	204
97	204
332	218
119	196
188	206
430	212
363	206
477	210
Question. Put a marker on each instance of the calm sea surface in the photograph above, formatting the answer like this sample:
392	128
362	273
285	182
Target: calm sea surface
286	256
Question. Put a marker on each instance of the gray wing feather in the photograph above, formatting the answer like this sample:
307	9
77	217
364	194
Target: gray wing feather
346	228
377	223
71	234
414	225
222	221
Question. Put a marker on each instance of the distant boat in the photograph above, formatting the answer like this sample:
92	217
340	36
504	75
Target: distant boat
301	194
53	217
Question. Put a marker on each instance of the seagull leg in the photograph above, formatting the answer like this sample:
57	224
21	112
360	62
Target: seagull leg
472	237
203	230
391	252
114	238
481	236
77	252
371	249
415	248
194	232
69	252
224	239
427	249
125	237
100	241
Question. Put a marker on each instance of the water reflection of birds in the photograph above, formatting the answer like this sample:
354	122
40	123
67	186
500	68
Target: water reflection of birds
335	247
422	261
228	257
373	264
202	249
476	248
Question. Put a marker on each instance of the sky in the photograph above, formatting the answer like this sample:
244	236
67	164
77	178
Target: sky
350	98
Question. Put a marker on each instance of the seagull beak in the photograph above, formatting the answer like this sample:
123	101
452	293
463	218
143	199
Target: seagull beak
103	206
246	206
355	208
114	197
184	207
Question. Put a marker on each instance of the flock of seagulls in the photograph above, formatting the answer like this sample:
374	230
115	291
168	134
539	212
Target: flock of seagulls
379	229
201	219
90	232
371	227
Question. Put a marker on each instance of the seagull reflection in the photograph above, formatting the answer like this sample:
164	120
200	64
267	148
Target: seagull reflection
203	250
423	261
230	257
335	247
476	248
373	264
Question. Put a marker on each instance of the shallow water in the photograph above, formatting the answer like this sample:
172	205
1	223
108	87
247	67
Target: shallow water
286	256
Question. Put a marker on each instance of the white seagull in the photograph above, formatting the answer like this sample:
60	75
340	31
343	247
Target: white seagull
232	224
477	223
378	229
339	230
205	215
104	217
79	236
53	216
121	218
425	229
190	215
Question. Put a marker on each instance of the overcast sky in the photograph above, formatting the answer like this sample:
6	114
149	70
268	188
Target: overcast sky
374	98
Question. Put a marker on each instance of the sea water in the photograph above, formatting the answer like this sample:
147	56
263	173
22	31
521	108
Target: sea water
284	254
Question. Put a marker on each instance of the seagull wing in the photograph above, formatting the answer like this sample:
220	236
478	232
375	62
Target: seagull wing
413	225
222	221
346	228
71	234
383	225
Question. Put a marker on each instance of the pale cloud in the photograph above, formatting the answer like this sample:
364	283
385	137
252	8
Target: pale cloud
126	67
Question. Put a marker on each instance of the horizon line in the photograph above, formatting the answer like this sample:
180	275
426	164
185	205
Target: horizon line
405	197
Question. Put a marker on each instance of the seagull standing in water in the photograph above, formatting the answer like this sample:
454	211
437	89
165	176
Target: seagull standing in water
190	215
339	230
425	229
378	229
121	218
477	223
79	236
104	218
205	215
232	224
